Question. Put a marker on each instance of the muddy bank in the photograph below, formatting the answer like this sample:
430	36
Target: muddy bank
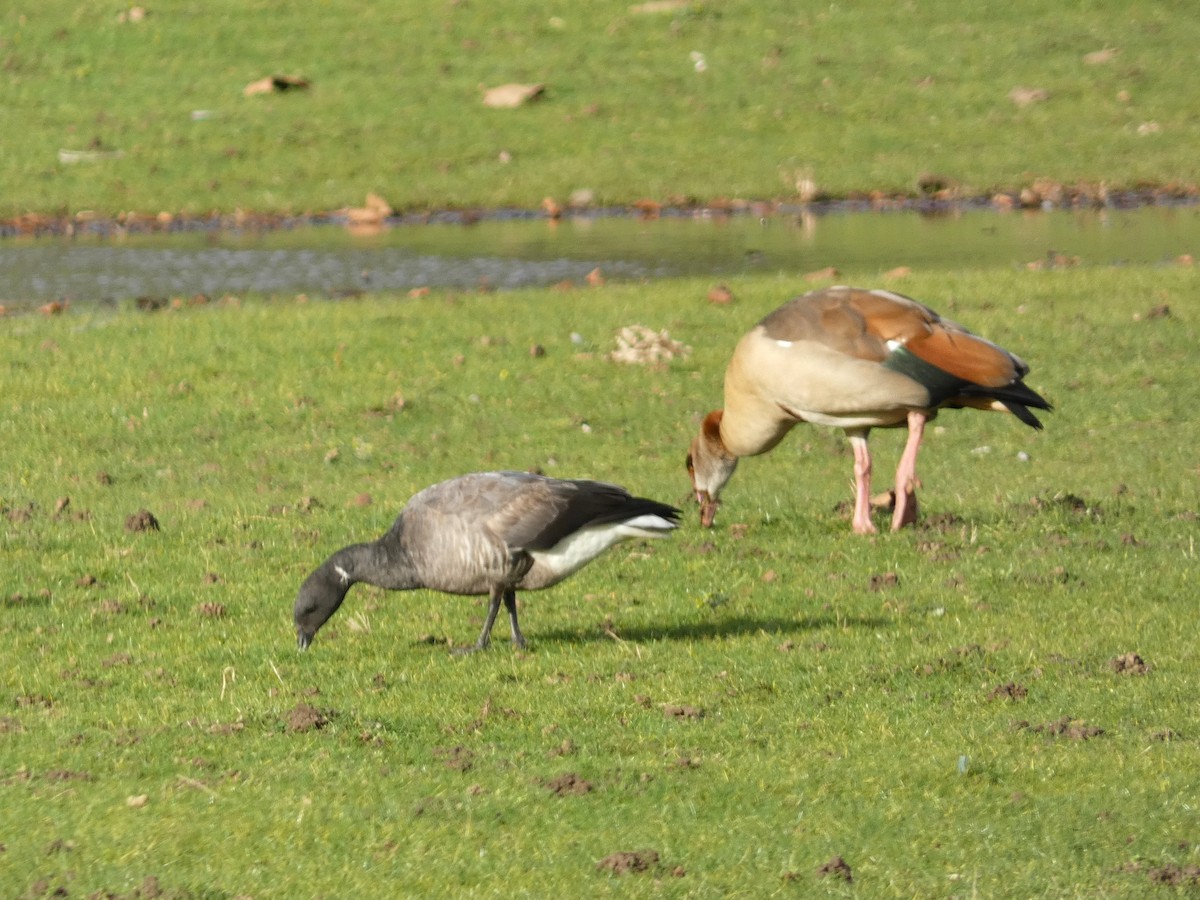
935	196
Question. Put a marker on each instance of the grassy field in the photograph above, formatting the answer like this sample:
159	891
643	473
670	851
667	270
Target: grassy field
998	702
736	99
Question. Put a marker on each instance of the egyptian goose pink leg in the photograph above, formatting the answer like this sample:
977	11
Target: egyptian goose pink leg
862	481
905	512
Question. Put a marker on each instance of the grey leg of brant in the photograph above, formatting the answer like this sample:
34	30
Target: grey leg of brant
510	603
485	635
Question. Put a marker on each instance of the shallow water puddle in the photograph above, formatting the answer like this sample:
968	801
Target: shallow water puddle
521	252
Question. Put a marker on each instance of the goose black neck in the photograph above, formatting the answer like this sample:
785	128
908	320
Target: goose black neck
382	563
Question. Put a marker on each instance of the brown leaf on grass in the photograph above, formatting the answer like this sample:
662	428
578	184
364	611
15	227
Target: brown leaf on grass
370	215
827	273
378	204
510	96
1161	311
657	6
1099	57
648	209
1025	96
720	295
276	84
885	501
897	273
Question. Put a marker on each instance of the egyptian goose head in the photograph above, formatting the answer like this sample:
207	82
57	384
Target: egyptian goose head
709	466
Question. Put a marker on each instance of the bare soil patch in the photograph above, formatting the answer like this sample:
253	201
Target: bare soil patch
1129	664
1009	691
837	867
142	520
569	784
1072	729
304	717
458	758
883	581
626	861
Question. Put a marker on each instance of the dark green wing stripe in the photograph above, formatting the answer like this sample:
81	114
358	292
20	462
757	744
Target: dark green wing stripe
940	383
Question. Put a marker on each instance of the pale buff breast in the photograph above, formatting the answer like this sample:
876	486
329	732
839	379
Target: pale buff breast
770	384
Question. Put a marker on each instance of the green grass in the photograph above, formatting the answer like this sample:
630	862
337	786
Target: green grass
854	96
748	703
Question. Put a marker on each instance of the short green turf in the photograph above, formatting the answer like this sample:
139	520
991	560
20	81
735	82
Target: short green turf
952	710
706	100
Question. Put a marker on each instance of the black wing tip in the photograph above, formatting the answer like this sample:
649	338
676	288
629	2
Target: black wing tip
668	512
1021	411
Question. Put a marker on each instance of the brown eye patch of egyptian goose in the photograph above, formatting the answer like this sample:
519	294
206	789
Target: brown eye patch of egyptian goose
853	359
487	533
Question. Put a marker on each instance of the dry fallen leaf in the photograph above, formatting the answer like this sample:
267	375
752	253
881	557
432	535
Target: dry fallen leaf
658	6
829	272
276	84
138	801
509	96
649	209
1023	96
720	294
897	273
1099	57
377	203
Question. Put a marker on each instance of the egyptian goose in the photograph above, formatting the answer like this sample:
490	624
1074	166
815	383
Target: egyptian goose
854	359
485	533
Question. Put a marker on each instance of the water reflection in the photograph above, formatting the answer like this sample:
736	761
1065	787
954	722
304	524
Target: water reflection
527	252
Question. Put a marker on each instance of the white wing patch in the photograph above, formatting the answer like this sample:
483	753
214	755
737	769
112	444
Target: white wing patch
342	574
890	295
577	550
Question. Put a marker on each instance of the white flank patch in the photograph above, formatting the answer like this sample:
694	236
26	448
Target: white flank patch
577	550
889	295
784	343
